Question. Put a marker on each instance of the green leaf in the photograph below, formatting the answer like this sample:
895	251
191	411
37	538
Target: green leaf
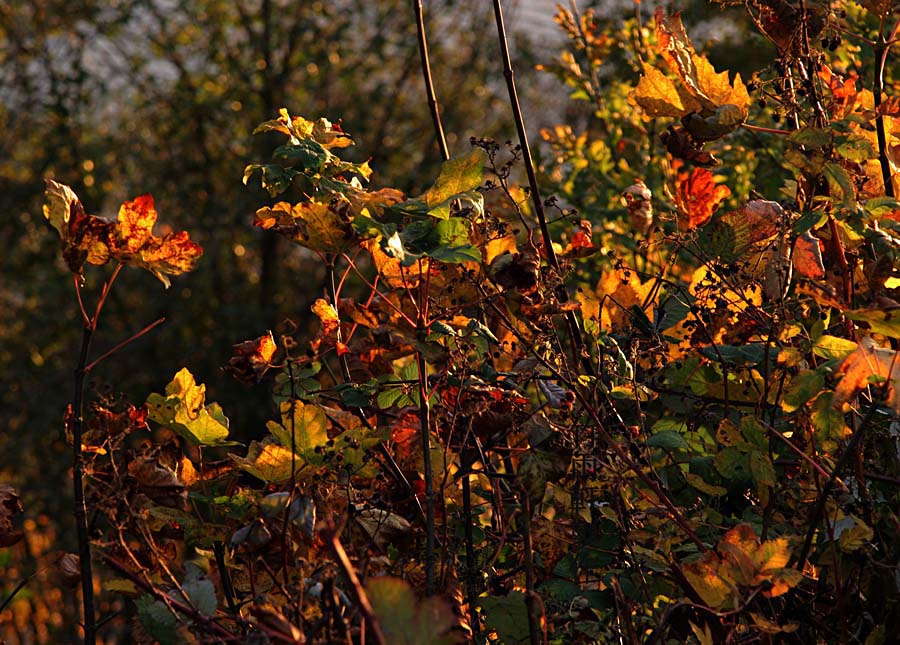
880	206
182	410
751	353
832	347
459	175
456	254
840	184
856	147
696	481
882	322
309	154
733	464
405	620
668	440
507	615
804	387
157	620
811	137
200	590
274	178
308	422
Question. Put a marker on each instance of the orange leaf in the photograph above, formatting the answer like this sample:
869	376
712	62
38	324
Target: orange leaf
697	197
711	89
129	240
807	257
252	359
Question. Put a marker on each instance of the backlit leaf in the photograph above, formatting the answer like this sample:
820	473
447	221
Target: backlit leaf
458	176
869	364
182	410
697	197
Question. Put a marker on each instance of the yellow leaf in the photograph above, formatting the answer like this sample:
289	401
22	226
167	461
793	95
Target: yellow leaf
658	95
268	461
709	88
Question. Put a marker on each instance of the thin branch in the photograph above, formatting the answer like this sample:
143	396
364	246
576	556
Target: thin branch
125	342
330	534
429	84
560	292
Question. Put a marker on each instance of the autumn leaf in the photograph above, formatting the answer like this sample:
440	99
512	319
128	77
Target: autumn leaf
807	257
129	240
868	365
659	96
184	411
739	564
315	225
697	197
9	506
252	359
709	88
719	104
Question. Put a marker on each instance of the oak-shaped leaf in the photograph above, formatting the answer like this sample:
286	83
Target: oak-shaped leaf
10	505
698	196
184	411
404	619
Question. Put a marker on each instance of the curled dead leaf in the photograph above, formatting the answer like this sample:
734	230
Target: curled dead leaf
10	505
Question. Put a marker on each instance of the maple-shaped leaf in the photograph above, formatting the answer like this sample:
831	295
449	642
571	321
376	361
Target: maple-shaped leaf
268	461
184	411
740	563
305	425
869	365
698	196
710	89
658	95
252	359
714	104
315	225
129	240
321	130
85	237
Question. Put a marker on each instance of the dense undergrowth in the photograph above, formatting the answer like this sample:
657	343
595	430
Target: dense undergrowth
658	406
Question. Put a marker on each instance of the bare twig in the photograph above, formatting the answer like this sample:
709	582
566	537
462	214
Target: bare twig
561	294
330	534
429	84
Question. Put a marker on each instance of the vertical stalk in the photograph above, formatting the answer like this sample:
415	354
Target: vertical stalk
80	510
471	592
425	434
561	294
881	49
429	84
534	620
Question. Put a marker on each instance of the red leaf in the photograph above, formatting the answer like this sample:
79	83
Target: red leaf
697	197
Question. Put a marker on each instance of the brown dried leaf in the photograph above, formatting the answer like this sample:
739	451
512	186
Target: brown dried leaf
9	506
